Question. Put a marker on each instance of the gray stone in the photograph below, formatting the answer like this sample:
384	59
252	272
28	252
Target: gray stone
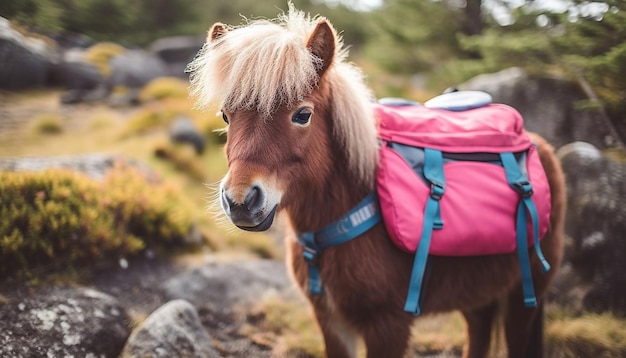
221	285
596	222
134	69
549	106
63	322
173	330
94	165
82	81
183	130
24	60
177	52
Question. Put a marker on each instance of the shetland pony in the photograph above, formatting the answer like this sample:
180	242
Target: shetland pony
302	140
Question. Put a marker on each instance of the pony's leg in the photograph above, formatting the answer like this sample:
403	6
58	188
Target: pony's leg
387	334
479	322
340	340
519	323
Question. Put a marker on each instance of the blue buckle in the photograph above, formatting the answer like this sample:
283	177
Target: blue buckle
525	189
310	255
436	191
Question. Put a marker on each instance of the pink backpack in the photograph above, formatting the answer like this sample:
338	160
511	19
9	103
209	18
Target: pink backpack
460	182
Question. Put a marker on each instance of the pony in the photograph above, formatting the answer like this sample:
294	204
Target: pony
302	141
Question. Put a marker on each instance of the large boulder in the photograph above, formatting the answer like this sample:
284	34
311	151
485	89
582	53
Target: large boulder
135	68
596	222
82	81
173	330
224	292
177	52
222	285
549	105
23	60
63	322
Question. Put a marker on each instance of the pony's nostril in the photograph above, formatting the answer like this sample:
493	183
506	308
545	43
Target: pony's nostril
227	201
254	198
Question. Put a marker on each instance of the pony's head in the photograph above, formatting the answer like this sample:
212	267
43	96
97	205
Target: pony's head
298	114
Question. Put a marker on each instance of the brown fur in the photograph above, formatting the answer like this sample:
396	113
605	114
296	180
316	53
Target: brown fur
315	174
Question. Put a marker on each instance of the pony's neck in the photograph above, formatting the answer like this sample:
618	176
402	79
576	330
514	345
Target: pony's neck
330	200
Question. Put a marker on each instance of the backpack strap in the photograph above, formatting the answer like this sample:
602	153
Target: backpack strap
433	171
357	221
519	182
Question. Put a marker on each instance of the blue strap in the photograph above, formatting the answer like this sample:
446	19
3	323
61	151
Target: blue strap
357	221
518	181
310	254
433	171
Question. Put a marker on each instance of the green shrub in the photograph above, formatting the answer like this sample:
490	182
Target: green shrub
101	53
48	123
144	120
185	161
588	335
60	219
156	114
164	87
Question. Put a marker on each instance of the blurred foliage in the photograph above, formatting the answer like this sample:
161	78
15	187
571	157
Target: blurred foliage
48	123
130	21
587	46
101	53
445	41
158	114
588	335
139	22
594	48
164	87
59	219
412	36
285	325
183	160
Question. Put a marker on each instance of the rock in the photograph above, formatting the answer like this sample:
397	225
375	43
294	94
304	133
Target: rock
222	285
177	52
132	69
548	105
183	130
173	330
596	222
63	322
135	68
94	165
82	81
224	292
24	60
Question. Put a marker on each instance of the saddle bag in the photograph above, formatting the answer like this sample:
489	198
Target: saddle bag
460	181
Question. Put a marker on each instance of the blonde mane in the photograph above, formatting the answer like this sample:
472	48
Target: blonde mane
265	64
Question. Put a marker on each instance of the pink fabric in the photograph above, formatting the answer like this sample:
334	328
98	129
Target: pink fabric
479	207
492	128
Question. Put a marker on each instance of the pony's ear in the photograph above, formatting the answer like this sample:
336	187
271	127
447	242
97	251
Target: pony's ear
321	43
217	30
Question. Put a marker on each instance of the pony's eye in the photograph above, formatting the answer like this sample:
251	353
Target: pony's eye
302	116
225	117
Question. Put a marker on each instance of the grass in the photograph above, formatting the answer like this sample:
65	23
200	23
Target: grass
287	326
586	335
48	123
436	333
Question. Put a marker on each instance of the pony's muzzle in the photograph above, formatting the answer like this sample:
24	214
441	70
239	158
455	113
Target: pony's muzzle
254	213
